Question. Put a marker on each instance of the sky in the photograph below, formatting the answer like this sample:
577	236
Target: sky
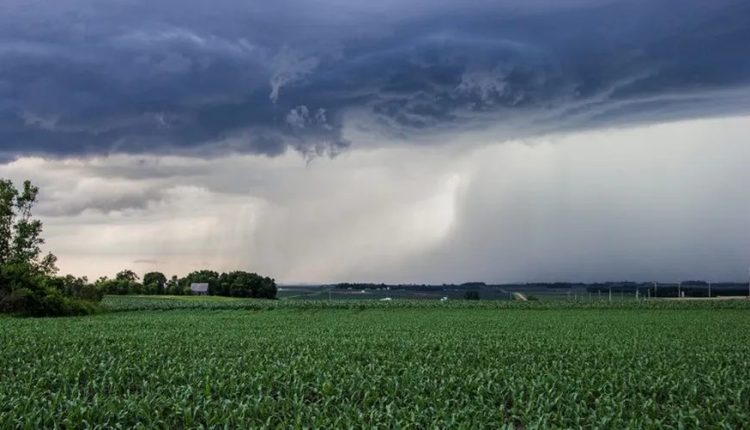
422	141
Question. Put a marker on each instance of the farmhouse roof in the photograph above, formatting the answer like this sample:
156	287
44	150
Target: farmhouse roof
199	287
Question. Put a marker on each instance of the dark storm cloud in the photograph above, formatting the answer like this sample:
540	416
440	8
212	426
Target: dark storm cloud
84	77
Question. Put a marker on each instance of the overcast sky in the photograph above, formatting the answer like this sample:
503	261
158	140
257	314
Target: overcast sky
421	141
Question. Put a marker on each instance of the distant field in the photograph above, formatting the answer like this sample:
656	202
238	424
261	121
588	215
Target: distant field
363	364
323	292
143	303
503	292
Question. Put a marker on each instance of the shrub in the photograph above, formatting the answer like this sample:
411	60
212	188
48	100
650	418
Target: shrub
45	302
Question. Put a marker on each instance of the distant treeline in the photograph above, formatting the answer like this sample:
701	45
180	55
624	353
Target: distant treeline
654	289
410	287
231	284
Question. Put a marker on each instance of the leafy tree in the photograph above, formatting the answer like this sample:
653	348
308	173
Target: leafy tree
173	286
209	277
20	233
266	288
8	195
27	282
72	286
127	275
125	282
154	282
244	284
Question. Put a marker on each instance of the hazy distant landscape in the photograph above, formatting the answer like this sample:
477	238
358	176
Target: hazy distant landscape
529	291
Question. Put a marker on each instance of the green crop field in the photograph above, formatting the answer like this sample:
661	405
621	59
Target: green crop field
415	365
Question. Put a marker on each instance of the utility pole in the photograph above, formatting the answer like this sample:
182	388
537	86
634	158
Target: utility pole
679	289
610	294
655	289
709	289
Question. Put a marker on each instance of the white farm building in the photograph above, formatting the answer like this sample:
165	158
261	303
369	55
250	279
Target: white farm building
199	289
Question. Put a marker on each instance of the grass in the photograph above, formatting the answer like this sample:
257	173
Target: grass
417	365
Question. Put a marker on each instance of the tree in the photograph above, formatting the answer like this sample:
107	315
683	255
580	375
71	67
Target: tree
8	194
209	277
127	275
27	282
244	284
154	282
20	233
69	285
266	288
20	267
173	286
125	282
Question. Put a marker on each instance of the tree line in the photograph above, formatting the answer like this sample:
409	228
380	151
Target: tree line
231	284
30	284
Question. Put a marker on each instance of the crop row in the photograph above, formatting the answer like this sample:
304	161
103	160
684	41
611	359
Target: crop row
137	303
395	368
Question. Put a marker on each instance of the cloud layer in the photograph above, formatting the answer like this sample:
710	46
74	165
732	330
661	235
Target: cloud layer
91	77
666	202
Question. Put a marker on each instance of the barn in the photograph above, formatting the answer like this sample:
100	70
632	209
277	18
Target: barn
199	289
